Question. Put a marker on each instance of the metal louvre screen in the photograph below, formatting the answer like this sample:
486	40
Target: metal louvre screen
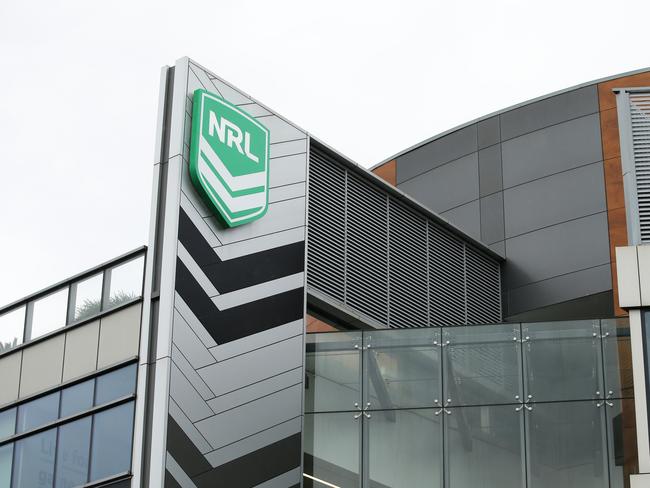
640	120
378	256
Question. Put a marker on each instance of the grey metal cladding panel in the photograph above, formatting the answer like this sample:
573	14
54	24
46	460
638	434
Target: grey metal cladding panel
557	250
186	425
467	217
189	343
256	390
553	110
560	289
186	397
554	199
551	150
287	169
447	186
181	362
492	225
254	442
490	175
436	153
257	365
489	132
252	418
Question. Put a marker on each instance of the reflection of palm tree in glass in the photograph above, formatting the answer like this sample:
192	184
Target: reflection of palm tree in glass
5	346
90	307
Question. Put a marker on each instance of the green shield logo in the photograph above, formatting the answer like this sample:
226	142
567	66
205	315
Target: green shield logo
229	159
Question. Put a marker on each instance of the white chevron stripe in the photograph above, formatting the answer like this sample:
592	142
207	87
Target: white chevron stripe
258	244
177	472
235	183
196	271
232	203
186	425
195	324
257	292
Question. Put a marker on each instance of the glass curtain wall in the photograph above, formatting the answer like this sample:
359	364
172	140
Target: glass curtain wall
535	405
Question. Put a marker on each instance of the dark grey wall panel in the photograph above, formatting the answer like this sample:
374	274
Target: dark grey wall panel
557	250
467	217
549	111
436	153
551	150
489	170
447	186
554	199
560	289
489	132
492	226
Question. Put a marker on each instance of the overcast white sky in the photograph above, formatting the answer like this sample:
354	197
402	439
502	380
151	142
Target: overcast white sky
79	88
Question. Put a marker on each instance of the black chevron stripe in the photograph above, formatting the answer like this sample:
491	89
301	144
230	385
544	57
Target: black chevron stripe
244	271
244	472
237	322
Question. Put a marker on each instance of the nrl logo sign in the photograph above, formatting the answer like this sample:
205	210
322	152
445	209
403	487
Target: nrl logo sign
229	159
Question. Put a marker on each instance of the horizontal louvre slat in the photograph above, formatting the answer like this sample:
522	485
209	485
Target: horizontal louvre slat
390	263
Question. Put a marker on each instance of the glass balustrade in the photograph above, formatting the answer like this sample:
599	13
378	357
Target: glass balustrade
511	405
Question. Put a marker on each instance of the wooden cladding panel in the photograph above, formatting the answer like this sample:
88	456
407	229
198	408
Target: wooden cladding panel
387	172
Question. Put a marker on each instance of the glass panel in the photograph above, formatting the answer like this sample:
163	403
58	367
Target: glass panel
7	423
77	398
331	446
563	360
34	460
38	412
401	368
116	384
621	436
12	325
566	445
73	450
617	357
112	436
482	364
485	446
88	297
333	370
6	457
405	449
126	282
49	313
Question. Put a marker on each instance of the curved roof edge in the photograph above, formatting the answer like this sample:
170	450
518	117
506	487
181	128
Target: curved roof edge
507	109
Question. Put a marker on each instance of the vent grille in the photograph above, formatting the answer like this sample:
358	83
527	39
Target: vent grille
388	262
640	119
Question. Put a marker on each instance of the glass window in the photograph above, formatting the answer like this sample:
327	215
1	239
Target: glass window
116	384
482	364
49	313
621	438
485	446
87	297
12	325
333	364
77	398
402	368
34	460
405	449
6	457
38	412
331	450
563	360
111	445
125	282
7	423
72	454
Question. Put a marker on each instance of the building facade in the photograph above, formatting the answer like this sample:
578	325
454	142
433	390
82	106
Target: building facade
469	313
